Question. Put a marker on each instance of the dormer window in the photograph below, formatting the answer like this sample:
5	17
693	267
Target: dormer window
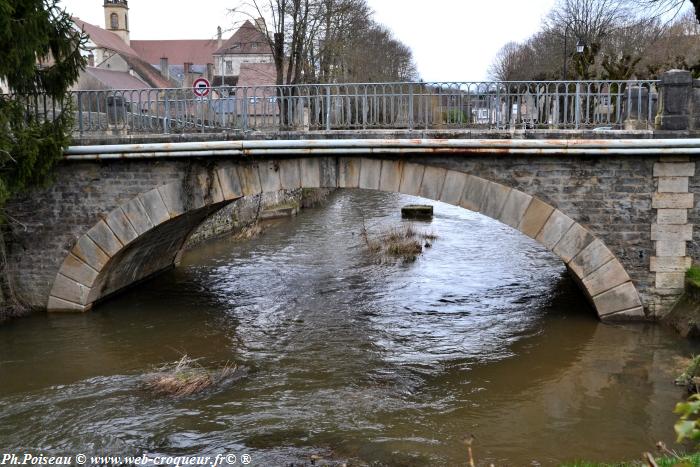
114	21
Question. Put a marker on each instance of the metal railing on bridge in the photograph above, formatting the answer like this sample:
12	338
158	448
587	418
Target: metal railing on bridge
428	106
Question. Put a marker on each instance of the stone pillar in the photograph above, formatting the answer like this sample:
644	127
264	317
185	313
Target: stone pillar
676	92
671	231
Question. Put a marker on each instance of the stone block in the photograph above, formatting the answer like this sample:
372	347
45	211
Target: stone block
329	172
155	207
137	216
671	232
670	280
666	248
453	187
621	298
174	199
76	269
348	173
88	251
249	176
207	189
673	185
390	179
411	178
573	242
671	216
474	192
670	263
494	200
433	181
56	305
230	184
595	255
607	277
310	172
674	169
370	171
536	216
120	225
672	201
103	236
553	231
270	176
69	290
633	315
290	174
515	208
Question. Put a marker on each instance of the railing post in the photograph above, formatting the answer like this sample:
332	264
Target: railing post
80	112
166	114
577	107
245	109
410	106
364	109
328	107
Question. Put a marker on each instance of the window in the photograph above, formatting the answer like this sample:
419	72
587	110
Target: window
254	100
114	21
254	45
126	22
229	67
272	99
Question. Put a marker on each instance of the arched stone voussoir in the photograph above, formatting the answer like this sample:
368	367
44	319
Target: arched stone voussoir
118	230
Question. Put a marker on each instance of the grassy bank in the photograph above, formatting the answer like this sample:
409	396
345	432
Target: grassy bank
692	460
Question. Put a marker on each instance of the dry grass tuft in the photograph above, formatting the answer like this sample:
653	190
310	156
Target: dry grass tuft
403	243
186	377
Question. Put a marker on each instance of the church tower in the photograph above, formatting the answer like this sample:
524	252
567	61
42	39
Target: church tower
117	18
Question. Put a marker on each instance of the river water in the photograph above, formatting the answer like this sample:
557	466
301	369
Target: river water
347	358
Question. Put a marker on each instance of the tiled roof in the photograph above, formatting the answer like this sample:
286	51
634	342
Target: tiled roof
116	79
108	40
247	40
105	39
147	72
178	52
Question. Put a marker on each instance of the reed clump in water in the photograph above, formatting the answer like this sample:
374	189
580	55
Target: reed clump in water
186	377
404	243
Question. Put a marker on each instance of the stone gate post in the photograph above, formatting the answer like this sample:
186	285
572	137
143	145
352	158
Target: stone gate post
679	102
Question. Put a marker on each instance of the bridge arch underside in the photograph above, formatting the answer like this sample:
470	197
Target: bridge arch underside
146	235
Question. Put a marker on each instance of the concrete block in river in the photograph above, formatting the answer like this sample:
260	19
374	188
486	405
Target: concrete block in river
417	211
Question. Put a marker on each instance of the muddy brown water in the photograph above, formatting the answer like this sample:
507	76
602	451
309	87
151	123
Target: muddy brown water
350	360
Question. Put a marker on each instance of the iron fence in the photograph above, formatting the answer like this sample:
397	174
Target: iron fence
478	105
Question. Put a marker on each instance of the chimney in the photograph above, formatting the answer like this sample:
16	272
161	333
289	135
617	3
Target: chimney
164	67
219	39
260	24
189	79
210	72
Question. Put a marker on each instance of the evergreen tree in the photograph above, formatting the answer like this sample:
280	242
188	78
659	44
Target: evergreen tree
40	58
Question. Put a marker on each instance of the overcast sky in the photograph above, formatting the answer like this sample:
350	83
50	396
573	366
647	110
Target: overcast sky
452	40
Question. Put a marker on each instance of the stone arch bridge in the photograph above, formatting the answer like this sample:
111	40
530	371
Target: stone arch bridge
619	217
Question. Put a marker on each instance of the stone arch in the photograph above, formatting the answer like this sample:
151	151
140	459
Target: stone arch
154	225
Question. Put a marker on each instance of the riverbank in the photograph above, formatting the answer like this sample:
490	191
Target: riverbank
249	210
685	315
691	460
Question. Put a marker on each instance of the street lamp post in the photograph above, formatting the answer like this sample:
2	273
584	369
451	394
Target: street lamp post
580	47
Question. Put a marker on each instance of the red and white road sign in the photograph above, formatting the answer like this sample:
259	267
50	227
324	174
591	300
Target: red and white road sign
201	87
